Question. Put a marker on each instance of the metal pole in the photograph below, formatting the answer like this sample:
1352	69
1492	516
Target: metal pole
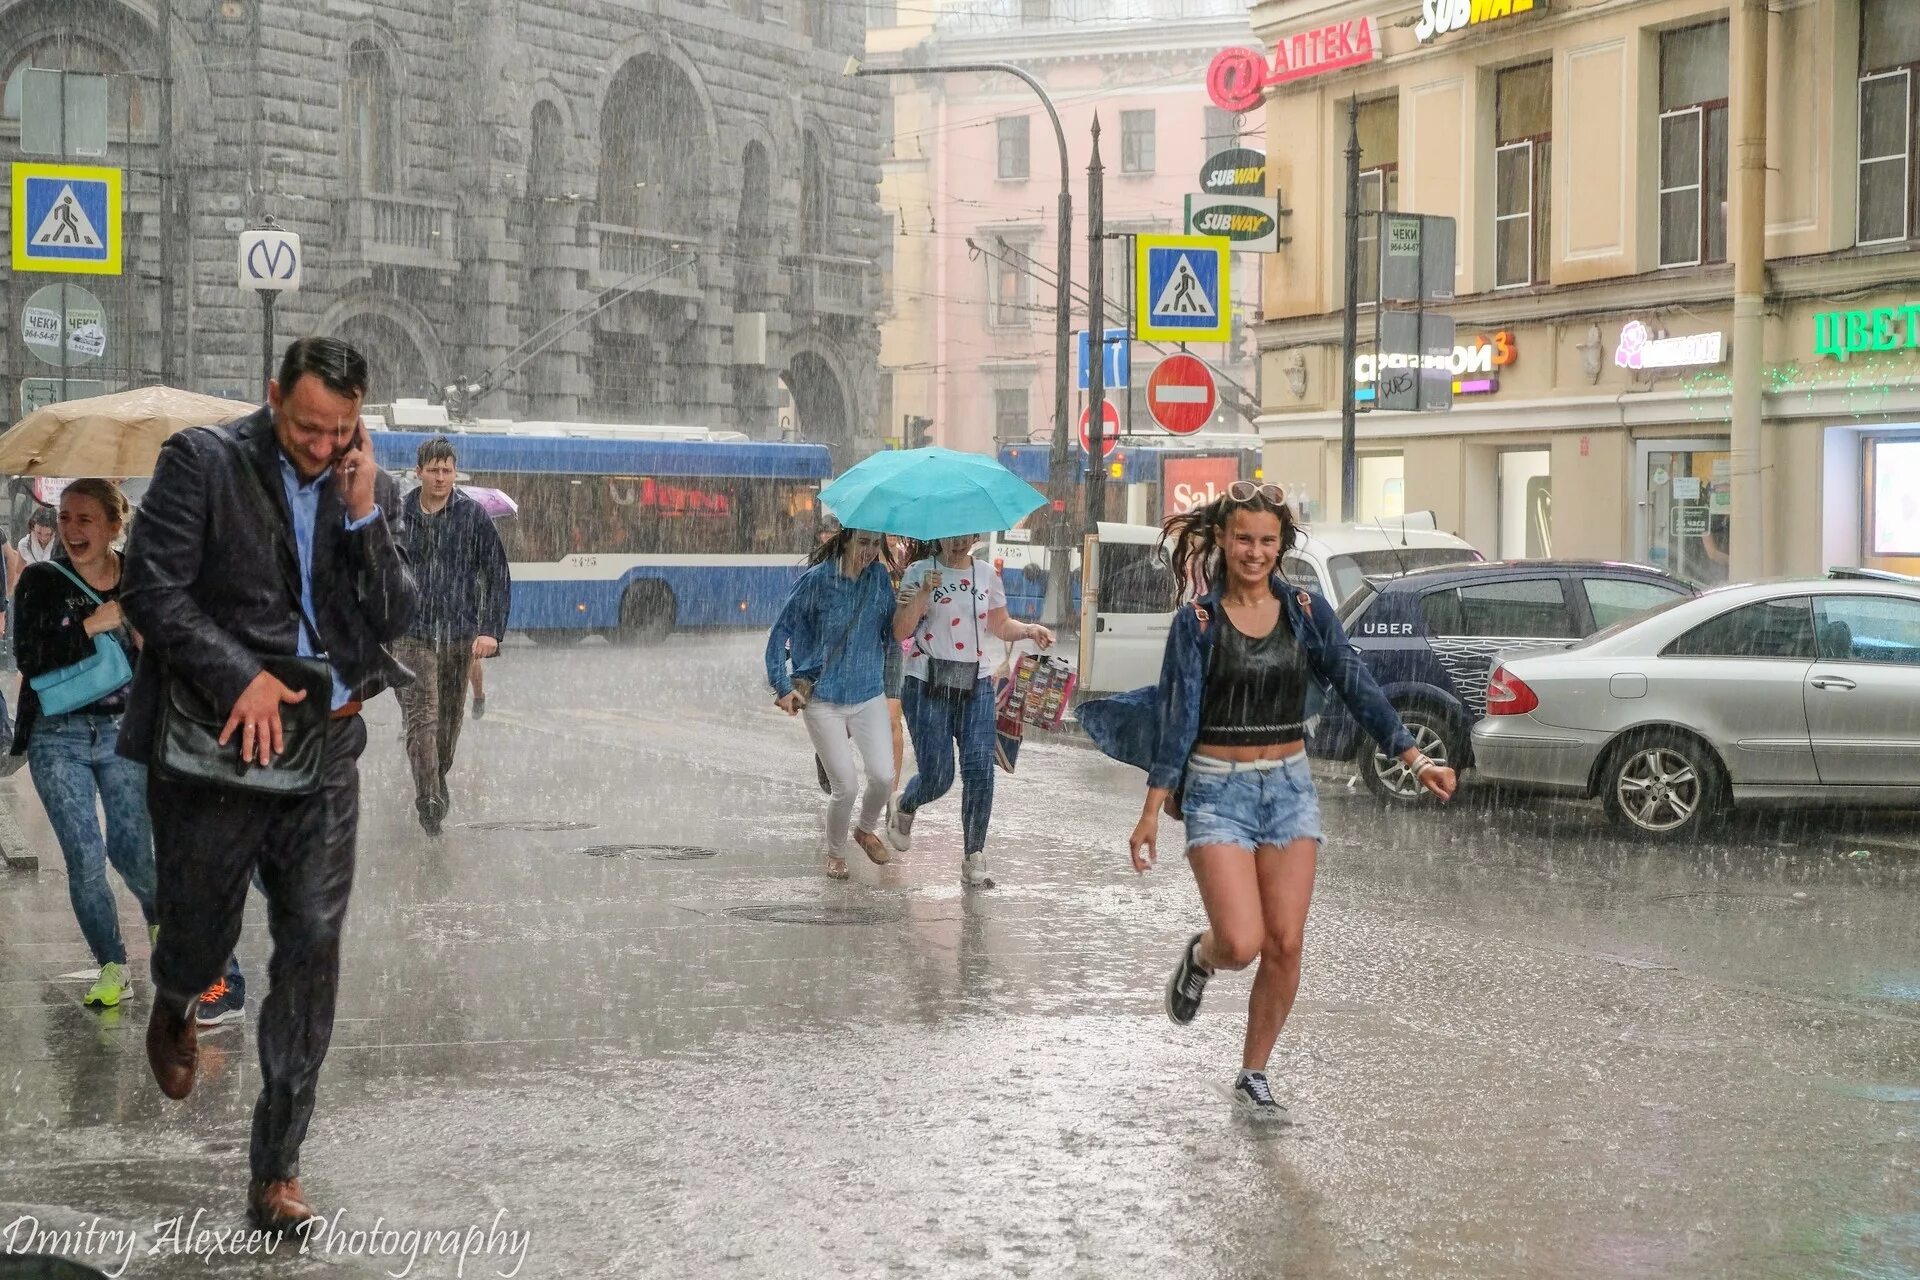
1060	465
1096	340
1126	238
1750	554
266	338
1350	326
167	194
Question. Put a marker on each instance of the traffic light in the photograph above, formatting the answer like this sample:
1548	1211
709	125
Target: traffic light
918	431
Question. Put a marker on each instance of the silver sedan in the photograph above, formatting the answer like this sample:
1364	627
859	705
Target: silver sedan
1802	692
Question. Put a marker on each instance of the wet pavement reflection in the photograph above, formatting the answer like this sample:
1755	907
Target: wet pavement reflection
619	1007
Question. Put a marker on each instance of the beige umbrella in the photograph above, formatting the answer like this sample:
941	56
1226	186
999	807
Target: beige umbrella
118	435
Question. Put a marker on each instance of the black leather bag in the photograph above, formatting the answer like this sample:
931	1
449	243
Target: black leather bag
187	744
187	738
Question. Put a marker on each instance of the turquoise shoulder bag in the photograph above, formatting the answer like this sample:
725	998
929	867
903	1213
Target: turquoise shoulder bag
88	680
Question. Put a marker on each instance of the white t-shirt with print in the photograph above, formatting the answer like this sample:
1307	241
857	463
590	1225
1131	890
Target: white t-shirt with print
952	629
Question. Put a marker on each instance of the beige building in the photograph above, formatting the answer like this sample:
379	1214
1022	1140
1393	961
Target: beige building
1585	151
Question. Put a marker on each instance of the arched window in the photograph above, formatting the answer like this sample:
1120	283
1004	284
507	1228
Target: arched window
373	151
126	103
546	158
653	149
816	198
753	228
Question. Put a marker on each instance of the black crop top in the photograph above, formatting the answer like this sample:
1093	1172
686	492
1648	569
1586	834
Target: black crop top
1256	694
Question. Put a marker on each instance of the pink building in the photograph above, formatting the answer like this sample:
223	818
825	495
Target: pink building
972	189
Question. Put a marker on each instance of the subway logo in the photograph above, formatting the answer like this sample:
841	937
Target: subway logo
1438	17
1233	223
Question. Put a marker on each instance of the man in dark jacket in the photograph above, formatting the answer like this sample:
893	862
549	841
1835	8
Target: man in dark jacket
464	594
237	519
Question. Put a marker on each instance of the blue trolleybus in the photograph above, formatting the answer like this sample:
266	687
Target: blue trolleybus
630	533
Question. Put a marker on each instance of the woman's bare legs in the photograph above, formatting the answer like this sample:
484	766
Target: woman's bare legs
1286	888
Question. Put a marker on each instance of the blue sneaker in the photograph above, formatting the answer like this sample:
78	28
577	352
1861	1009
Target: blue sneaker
224	1001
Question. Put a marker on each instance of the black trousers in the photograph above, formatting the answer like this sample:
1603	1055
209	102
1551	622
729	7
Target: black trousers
208	843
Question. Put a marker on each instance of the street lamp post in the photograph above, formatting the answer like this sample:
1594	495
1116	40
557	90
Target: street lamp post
1059	469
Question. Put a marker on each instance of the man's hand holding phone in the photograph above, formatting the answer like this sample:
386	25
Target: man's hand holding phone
355	469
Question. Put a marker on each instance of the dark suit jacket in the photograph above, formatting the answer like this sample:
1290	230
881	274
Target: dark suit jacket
201	586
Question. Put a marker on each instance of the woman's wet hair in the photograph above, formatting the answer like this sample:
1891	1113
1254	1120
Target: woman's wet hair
1196	551
104	492
836	546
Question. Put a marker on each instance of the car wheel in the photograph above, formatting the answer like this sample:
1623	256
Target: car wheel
1391	780
646	614
1662	787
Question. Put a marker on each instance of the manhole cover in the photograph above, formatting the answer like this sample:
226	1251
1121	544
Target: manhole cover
651	852
530	824
778	913
1755	903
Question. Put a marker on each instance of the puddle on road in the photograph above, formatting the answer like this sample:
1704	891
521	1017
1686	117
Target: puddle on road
650	852
530	824
800	913
1730	903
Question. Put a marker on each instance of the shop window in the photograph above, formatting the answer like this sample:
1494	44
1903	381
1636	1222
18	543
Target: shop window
1525	498
1010	414
1693	145
1381	487
1015	135
1522	608
1889	55
1136	141
1764	629
1522	160
1009	296
1893	504
1379	186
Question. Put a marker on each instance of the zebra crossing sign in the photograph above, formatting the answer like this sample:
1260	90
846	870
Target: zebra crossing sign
1182	292
66	218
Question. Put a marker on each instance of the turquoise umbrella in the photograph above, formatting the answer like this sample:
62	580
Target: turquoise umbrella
930	493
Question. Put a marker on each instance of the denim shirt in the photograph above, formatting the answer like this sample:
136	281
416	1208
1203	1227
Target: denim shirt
823	606
303	504
1155	728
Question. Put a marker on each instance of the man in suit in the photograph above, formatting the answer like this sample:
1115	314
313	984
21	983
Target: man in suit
235	517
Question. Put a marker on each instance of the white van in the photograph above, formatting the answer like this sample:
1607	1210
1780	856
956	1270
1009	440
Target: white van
1123	647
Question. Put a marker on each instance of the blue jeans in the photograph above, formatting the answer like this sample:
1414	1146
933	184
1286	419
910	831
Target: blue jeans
74	765
936	722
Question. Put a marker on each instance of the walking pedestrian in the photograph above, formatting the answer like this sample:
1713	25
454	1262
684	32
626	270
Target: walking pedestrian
461	566
64	604
35	546
1244	663
266	538
948	603
826	660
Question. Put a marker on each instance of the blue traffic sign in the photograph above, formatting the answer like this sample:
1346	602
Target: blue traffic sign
66	218
1118	364
1183	289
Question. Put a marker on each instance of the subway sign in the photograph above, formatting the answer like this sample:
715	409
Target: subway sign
1438	17
1237	171
1840	335
1252	223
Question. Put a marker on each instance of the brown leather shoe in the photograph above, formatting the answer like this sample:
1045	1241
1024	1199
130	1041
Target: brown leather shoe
277	1204
870	844
172	1049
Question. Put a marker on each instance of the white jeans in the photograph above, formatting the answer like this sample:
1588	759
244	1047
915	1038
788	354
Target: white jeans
836	729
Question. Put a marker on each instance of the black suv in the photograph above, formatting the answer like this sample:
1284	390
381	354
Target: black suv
1430	638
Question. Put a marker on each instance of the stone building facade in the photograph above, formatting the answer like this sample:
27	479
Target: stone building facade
698	179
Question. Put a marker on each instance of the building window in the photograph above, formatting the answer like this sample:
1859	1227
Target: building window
1693	145
1522	159
126	102
1015	135
1010	414
1036	11
883	13
1223	130
816	199
1136	142
372	153
1009	295
890	228
1379	185
1889	55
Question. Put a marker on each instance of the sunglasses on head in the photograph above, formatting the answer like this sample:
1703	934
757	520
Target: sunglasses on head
1250	491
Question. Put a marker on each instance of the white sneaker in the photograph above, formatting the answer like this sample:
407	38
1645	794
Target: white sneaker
973	872
1253	1099
899	827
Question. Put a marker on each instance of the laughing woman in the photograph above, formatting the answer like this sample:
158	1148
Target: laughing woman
1229	725
63	604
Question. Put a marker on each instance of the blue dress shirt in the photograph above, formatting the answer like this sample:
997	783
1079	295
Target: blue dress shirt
303	501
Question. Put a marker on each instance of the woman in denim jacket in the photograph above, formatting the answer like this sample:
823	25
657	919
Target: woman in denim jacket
1229	719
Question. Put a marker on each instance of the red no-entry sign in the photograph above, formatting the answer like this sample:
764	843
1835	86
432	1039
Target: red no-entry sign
1109	430
1181	394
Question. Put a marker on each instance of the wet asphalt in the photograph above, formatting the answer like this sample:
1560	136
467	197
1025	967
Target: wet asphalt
617	1007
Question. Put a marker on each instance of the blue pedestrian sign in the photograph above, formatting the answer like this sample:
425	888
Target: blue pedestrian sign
66	218
1118	365
1183	289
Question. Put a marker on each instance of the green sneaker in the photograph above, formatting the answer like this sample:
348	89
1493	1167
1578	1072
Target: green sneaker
111	988
153	935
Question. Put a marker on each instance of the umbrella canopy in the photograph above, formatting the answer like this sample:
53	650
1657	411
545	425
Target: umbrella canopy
492	501
118	435
930	493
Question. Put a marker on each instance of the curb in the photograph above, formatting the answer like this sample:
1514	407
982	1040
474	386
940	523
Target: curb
13	842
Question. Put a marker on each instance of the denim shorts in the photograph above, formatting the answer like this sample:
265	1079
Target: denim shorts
1266	802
